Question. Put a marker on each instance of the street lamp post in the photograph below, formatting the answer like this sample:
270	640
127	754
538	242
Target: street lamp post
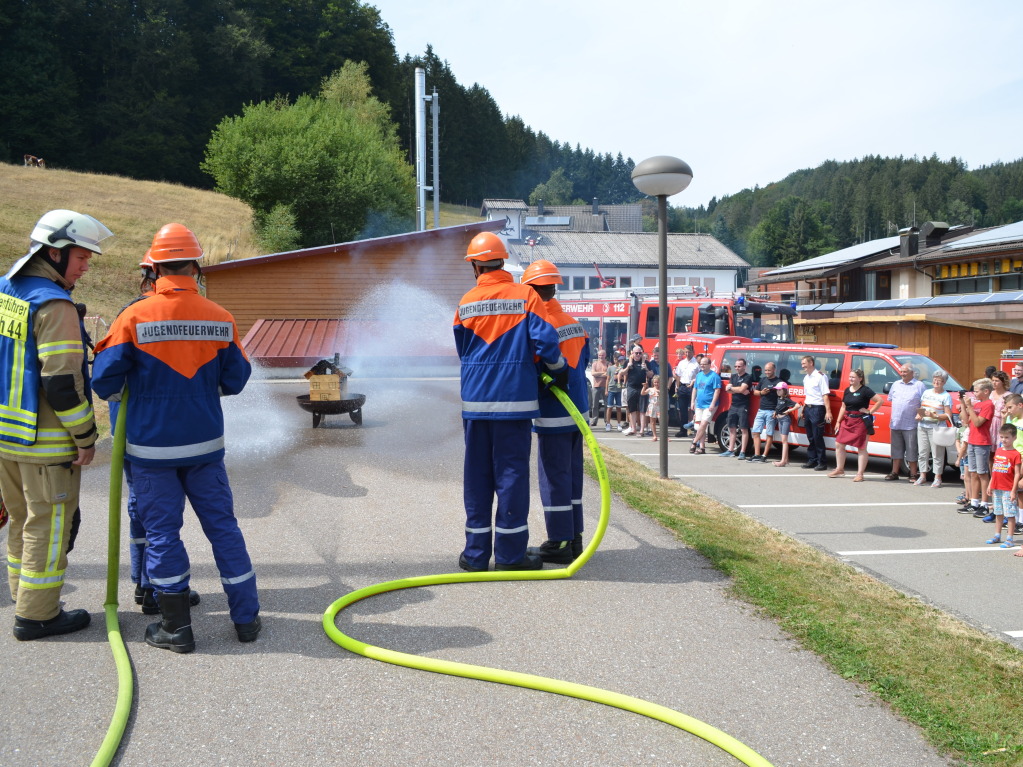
661	177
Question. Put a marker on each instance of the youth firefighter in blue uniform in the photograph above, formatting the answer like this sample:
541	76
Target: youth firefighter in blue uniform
559	441
178	352
500	329
47	429
145	595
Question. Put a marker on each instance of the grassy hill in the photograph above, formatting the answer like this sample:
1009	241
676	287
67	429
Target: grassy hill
133	210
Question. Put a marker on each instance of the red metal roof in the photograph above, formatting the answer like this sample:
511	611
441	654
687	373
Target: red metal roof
303	343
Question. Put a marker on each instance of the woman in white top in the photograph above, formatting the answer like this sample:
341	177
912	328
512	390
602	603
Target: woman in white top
935	412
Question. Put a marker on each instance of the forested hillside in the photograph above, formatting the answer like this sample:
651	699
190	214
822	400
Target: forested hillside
839	204
137	89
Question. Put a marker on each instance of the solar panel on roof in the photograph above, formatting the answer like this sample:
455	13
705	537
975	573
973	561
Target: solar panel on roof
942	301
1007	233
838	257
548	220
973	298
916	301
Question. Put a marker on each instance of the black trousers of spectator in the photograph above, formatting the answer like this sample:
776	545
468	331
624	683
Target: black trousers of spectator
683	398
815	452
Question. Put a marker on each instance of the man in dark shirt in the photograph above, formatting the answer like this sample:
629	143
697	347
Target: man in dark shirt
764	421
739	387
636	374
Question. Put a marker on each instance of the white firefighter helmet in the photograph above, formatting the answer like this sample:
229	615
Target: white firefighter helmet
59	228
66	227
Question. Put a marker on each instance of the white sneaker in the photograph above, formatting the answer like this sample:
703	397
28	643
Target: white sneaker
627	431
607	427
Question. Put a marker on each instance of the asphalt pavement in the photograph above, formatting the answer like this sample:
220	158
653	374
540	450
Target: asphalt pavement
339	507
911	537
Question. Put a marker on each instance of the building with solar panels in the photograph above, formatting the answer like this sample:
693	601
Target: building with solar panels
952	293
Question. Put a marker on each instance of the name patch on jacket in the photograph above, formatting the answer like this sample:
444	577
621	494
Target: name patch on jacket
13	317
190	330
492	306
574	330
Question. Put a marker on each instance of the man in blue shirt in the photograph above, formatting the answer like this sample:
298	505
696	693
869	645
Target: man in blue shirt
706	393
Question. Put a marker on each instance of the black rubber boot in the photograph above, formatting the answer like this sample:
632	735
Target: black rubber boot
148	600
247	632
174	632
554	552
529	562
577	546
63	623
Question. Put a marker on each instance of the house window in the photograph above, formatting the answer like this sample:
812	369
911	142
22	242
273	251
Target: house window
578	283
594	283
624	282
968	285
649	282
1011	282
708	283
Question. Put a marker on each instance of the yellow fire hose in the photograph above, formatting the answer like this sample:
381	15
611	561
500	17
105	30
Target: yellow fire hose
125	687
711	734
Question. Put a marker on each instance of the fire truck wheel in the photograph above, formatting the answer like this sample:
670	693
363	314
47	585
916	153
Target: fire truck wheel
723	431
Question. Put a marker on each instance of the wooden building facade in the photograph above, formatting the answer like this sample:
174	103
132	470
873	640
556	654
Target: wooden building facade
332	282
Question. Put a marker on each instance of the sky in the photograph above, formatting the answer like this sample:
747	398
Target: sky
746	92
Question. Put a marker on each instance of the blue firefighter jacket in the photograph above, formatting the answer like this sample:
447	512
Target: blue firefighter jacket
575	348
177	352
500	328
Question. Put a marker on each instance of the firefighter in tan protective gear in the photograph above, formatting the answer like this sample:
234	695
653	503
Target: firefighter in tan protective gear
47	429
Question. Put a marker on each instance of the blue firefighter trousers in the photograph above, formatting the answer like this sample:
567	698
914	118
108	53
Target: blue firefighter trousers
161	494
560	469
496	463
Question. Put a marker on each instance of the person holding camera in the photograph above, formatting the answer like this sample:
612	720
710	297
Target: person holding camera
636	375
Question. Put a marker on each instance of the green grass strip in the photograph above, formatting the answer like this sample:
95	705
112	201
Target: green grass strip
962	687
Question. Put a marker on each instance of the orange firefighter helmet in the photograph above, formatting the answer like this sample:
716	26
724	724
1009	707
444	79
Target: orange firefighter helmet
486	246
542	273
174	242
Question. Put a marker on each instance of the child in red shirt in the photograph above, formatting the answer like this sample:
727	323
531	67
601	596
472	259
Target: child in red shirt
1005	471
979	411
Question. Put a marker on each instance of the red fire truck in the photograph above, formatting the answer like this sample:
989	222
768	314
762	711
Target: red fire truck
615	316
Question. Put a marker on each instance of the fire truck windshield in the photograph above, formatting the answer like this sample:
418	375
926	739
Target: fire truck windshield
765	326
925	368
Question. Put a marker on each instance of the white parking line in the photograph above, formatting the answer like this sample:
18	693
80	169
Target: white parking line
918	551
1016	634
838	505
772	475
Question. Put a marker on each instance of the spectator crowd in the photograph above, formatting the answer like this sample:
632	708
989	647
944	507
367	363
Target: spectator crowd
981	434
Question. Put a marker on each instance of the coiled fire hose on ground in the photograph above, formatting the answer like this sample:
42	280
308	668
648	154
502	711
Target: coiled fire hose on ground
125	682
722	740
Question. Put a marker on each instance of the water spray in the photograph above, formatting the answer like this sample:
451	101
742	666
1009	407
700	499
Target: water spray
722	740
